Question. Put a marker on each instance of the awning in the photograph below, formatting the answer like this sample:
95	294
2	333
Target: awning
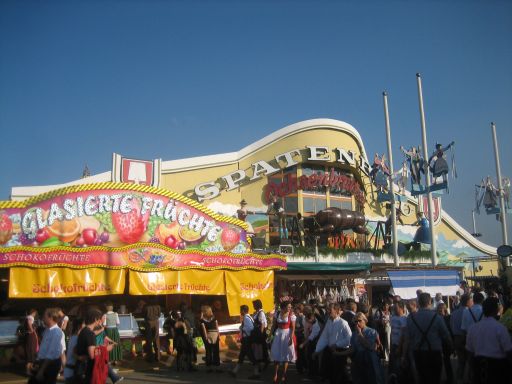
65	282
327	267
405	282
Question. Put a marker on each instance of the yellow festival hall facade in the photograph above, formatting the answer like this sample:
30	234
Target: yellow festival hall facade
227	225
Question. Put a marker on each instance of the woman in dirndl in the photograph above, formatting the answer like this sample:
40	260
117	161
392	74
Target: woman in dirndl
111	323
283	351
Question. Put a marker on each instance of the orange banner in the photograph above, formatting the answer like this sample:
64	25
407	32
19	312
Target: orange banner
65	282
242	287
171	282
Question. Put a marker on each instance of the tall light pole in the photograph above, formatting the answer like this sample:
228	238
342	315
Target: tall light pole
433	251
475	233
390	188
503	214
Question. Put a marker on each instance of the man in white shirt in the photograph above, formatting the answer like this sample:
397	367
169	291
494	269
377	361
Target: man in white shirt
246	329
334	343
474	312
50	350
438	299
259	336
489	343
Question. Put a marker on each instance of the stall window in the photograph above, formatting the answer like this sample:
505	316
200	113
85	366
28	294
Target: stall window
291	205
340	203
313	205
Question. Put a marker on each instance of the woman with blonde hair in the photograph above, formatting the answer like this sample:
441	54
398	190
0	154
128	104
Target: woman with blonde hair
111	323
365	343
210	333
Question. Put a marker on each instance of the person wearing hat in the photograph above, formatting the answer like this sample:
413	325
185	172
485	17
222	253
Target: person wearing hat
242	212
242	215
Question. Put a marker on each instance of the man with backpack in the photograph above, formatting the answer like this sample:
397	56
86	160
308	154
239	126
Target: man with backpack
426	334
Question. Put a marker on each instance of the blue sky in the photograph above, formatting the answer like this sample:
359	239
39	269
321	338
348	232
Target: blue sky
172	79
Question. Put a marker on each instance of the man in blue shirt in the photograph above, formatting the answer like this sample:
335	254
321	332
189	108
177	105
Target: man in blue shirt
488	342
50	351
426	334
474	313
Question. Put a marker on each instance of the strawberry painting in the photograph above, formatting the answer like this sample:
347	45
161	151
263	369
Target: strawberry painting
130	226
229	238
5	228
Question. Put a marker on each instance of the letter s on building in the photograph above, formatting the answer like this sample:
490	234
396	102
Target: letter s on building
206	191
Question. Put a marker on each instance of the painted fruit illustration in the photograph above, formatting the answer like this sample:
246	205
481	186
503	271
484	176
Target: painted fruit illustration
90	236
42	235
163	231
51	242
5	228
65	230
130	226
171	242
229	238
189	235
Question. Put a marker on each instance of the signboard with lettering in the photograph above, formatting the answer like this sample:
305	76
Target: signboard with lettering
262	168
123	225
65	282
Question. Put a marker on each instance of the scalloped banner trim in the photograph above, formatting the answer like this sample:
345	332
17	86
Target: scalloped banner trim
137	257
122	186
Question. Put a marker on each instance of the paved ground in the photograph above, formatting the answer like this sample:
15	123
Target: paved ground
139	371
166	375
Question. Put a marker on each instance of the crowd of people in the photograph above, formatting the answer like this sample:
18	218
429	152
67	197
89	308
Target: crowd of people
399	341
81	351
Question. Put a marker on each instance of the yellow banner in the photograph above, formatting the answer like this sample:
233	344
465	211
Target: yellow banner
65	282
243	287
190	281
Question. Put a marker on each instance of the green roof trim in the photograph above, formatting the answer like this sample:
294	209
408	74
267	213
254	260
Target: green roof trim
328	267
